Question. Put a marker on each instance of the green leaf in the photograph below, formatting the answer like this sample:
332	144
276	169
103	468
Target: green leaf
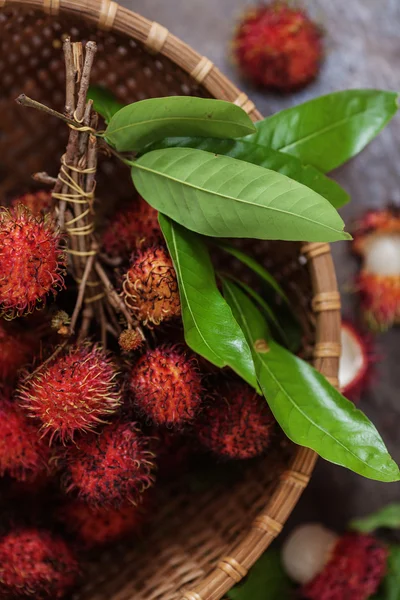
209	325
327	131
255	267
104	102
267	158
223	197
309	410
391	583
144	122
388	517
266	581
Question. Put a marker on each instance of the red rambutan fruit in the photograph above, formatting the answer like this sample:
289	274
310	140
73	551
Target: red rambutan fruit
356	361
166	386
23	454
39	203
130	340
100	526
131	228
377	242
173	450
31	261
330	567
73	392
237	424
150	287
112	468
15	351
36	564
278	46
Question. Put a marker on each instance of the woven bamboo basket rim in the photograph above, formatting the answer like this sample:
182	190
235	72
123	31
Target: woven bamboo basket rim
109	16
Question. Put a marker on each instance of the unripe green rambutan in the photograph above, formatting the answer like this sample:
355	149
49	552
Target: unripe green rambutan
166	386
36	564
31	261
112	468
74	392
39	203
237	424
150	287
23	453
131	228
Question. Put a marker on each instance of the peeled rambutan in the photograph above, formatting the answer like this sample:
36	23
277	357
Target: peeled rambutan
16	350
330	567
131	228
112	468
377	242
31	261
150	287
39	203
23	454
101	526
130	339
73	392
166	386
356	361
237	424
36	564
278	46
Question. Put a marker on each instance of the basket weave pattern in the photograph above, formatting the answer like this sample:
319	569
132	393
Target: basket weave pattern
200	543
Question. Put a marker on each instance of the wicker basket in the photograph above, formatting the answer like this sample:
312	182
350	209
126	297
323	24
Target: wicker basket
200	544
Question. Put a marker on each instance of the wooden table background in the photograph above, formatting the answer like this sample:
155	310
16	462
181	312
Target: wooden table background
362	50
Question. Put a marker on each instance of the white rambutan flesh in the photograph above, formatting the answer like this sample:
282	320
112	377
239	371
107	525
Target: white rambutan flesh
353	359
306	551
382	254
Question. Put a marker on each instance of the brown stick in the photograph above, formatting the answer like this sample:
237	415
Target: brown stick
44	178
81	292
113	296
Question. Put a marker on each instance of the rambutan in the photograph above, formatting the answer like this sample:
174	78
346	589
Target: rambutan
112	468
73	392
130	340
16	350
237	424
166	386
377	242
101	526
31	261
173	450
36	564
356	361
23	454
333	568
150	287
131	228
278	46
39	203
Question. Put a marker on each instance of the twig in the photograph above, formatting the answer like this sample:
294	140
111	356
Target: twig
44	178
110	260
46	362
91	49
113	296
81	292
87	317
70	78
24	100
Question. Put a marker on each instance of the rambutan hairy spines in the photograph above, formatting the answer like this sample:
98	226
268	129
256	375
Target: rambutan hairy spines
39	203
278	46
96	527
23	454
131	228
150	287
36	564
32	261
237	424
112	468
130	340
74	392
166	386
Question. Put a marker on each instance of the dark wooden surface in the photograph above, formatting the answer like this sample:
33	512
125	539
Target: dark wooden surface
362	50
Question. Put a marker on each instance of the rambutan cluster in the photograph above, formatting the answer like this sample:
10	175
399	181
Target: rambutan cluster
31	261
110	468
74	392
277	46
150	287
36	564
237	423
166	386
133	227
